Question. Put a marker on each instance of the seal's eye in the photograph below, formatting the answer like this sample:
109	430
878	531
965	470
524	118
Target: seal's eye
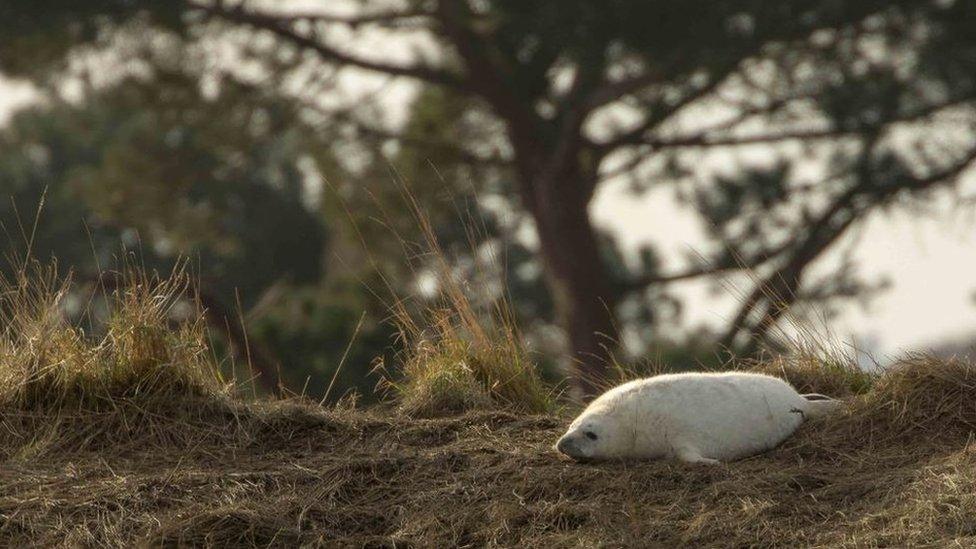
591	435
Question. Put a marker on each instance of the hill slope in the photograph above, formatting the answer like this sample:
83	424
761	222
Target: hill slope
288	474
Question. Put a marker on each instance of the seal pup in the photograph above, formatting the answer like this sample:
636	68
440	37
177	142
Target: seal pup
694	417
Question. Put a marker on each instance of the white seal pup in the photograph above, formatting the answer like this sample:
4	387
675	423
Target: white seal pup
694	417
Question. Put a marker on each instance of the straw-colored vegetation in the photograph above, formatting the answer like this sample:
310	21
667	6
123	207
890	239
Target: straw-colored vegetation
837	376
130	438
458	355
459	362
135	373
48	364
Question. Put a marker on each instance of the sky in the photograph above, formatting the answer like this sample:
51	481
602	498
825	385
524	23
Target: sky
12	96
930	260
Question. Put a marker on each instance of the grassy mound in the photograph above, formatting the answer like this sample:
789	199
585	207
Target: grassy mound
141	376
896	468
131	438
922	401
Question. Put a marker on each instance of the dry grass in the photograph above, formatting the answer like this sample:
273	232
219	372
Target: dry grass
132	439
877	475
61	388
456	365
837	377
462	351
920	399
45	363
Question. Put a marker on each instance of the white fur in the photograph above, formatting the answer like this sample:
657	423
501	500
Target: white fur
694	417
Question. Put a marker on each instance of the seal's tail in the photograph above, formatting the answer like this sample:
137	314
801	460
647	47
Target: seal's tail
820	405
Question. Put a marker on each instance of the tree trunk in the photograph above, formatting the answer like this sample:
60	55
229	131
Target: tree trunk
580	287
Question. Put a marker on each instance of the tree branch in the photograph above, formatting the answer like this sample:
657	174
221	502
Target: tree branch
704	139
640	283
380	18
655	119
457	150
488	77
780	290
282	28
758	260
615	90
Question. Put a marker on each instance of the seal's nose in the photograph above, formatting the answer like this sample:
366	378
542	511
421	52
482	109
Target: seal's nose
567	446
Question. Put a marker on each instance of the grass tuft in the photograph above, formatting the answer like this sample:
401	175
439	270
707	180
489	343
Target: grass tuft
463	351
47	364
835	376
451	367
62	387
921	397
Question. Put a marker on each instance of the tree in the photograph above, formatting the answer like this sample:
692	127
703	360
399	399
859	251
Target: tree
842	80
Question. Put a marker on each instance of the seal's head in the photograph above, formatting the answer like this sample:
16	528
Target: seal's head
592	436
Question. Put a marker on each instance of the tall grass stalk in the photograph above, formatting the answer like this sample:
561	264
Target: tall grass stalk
460	349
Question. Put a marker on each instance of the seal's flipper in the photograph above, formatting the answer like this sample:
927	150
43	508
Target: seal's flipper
820	405
688	454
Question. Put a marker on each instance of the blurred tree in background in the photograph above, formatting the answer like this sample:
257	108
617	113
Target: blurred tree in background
826	111
163	169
